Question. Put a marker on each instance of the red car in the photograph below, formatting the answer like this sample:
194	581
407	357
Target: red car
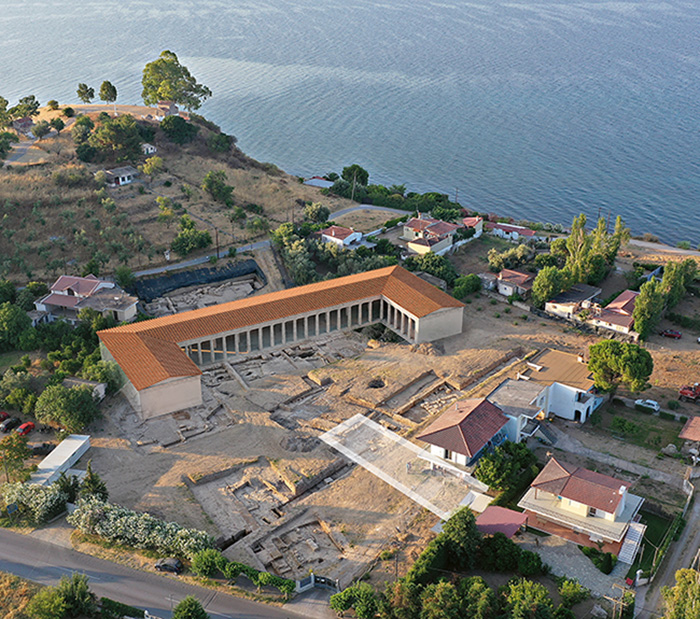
676	335
3	415
25	428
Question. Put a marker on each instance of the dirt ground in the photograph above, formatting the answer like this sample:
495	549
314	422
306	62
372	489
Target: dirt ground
364	221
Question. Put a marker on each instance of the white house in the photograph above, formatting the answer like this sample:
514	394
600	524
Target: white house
474	222
340	236
512	282
510	232
148	149
522	403
569	303
570	390
121	176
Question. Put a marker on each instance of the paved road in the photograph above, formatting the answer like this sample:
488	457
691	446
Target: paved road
665	248
45	563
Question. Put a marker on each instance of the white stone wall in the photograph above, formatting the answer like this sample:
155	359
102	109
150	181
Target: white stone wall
442	323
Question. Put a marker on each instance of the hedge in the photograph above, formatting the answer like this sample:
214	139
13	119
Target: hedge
644	409
111	609
667	416
40	503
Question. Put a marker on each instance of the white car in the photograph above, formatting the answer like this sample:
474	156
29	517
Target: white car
652	404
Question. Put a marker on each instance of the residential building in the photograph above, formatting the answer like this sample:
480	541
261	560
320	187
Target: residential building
23	125
522	402
617	315
511	282
415	227
338	235
161	358
571	389
488	280
68	295
509	232
495	519
474	222
121	176
148	149
585	507
425	234
569	303
465	431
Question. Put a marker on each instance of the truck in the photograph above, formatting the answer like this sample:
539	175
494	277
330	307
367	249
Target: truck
689	393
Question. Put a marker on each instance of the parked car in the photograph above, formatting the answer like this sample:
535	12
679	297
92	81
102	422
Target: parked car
25	428
653	404
672	333
41	449
169	565
4	415
9	424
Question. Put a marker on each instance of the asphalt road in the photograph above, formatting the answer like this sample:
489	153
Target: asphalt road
46	563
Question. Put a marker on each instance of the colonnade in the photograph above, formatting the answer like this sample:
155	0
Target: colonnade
265	336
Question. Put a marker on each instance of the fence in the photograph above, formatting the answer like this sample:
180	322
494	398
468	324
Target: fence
152	288
312	581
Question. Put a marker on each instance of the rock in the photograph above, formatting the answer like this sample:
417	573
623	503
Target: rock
670	450
374	344
599	611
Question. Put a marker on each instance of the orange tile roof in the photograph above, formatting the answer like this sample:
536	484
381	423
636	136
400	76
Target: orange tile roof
581	485
691	430
148	351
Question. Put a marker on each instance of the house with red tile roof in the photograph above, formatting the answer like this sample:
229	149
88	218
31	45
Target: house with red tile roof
474	222
495	519
585	507
425	234
510	232
616	315
341	236
69	294
161	358
512	282
465	431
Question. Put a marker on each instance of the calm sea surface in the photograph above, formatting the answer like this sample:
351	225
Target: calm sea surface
536	109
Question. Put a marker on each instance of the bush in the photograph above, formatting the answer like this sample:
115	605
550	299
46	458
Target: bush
500	554
673	405
604	561
644	409
137	529
571	592
619	402
206	562
68	112
667	416
111	609
530	563
39	503
467	284
178	129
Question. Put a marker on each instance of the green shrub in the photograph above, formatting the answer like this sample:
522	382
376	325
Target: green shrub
571	591
604	561
206	562
111	609
667	416
619	402
673	405
530	563
644	409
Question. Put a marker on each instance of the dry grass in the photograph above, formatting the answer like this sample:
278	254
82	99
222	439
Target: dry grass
49	228
364	221
16	594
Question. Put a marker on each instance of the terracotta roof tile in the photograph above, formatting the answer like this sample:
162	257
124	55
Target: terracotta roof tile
395	283
466	427
338	232
691	430
495	519
581	485
516	277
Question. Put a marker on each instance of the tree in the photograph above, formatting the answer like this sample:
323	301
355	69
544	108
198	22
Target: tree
528	600
92	485
13	453
206	562
478	599
166	79
463	537
546	286
52	104
27	106
48	603
467	284
648	307
613	362
214	184
578	246
6	141
190	608
178	129
440	601
118	138
58	125
152	166
355	174
677	276
13	322
401	600
316	212
41	129
432	263
76	593
189	238
683	599
108	94
72	409
166	214
85	93
5	118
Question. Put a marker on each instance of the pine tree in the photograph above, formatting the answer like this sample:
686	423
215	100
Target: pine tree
93	485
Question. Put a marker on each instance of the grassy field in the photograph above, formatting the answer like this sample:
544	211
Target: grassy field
471	258
653	536
9	358
635	427
16	594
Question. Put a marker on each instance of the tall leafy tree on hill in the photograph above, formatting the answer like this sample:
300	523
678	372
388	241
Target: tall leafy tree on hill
13	453
85	93
166	79
27	106
355	173
108	94
648	308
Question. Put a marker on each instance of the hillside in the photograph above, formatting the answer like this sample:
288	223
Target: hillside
54	220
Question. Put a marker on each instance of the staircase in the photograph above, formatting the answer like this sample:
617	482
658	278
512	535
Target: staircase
633	539
547	434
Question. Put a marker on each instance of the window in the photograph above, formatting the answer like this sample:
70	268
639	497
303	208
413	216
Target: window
448	454
592	512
